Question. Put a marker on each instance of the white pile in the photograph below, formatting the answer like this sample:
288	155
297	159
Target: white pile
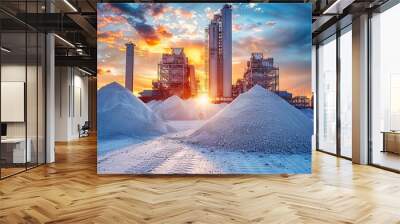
174	108
153	104
210	110
121	114
308	112
257	120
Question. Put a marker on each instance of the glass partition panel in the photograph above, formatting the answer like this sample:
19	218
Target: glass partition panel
31	98
22	77
346	93
14	153
327	96
41	99
385	89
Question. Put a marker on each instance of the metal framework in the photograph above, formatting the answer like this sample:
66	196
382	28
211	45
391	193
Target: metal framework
174	75
261	71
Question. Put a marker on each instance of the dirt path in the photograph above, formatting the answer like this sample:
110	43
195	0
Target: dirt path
160	155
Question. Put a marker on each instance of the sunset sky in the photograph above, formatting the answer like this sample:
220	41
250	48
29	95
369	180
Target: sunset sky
281	31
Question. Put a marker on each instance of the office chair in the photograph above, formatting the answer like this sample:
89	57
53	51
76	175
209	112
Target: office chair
84	130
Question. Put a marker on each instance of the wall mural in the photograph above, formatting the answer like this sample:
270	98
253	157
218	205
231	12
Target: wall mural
204	88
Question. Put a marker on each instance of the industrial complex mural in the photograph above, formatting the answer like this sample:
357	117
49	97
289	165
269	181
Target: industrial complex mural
204	88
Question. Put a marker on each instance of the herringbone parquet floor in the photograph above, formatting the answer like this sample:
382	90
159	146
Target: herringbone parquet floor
70	191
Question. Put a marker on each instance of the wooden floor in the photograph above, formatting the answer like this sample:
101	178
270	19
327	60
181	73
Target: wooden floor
70	191
5	172
387	159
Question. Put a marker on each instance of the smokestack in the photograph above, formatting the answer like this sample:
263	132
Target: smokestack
226	13
130	62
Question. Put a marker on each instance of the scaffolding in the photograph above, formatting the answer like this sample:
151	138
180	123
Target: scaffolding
301	102
261	71
175	75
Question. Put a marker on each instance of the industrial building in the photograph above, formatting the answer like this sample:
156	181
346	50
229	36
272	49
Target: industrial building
301	102
238	88
130	62
220	55
175	76
288	96
261	71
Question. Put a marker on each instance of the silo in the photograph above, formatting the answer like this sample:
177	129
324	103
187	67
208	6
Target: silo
129	65
226	14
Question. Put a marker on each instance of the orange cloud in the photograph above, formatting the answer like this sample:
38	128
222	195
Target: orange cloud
104	21
184	13
163	32
109	37
152	41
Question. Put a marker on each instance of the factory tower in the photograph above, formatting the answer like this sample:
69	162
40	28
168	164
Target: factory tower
130	62
220	55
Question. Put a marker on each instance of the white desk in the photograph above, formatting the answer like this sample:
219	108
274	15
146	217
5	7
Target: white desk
19	153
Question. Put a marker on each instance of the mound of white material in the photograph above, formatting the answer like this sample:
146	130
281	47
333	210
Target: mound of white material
174	108
208	110
153	104
257	120
120	113
215	108
308	112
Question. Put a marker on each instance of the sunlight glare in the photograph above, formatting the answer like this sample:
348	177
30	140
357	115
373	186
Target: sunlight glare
202	99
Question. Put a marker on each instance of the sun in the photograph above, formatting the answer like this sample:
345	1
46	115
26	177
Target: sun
202	99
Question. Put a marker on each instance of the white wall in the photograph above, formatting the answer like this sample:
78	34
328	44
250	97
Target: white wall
16	73
71	103
80	112
62	82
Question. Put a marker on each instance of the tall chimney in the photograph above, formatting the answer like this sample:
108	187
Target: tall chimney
130	62
226	13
